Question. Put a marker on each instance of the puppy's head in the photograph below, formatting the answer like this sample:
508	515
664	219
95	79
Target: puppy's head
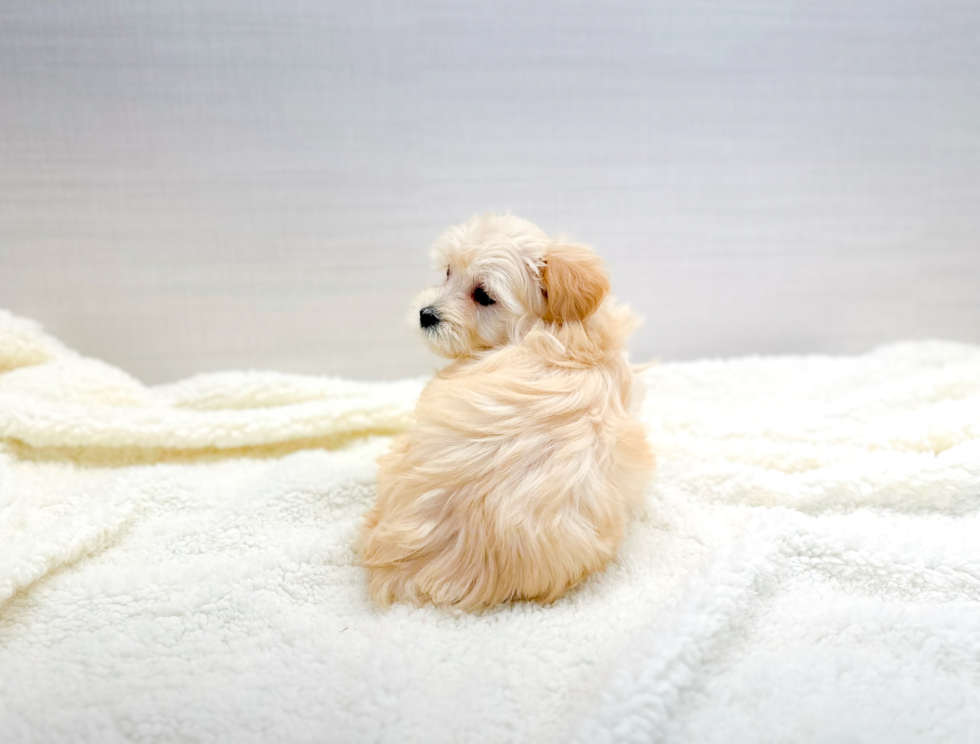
501	275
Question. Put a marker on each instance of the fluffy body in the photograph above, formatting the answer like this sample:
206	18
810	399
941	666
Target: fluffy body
525	459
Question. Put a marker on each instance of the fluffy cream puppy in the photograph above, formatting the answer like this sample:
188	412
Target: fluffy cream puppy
525	458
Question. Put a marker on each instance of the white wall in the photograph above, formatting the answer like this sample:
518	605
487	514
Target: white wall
231	183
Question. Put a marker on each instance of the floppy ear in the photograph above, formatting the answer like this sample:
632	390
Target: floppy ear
575	282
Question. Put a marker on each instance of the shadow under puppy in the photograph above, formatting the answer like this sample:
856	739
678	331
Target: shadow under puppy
525	458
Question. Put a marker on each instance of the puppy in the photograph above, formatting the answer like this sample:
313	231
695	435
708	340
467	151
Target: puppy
525	459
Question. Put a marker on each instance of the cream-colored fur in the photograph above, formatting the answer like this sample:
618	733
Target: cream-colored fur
525	459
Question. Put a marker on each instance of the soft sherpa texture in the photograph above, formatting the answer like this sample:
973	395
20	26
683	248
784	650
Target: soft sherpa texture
176	564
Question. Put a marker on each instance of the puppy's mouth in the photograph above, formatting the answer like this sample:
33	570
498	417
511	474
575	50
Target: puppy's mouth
440	333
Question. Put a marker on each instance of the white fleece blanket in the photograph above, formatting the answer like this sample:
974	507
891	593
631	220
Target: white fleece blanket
176	564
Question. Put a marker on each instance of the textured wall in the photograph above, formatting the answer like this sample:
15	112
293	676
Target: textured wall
230	183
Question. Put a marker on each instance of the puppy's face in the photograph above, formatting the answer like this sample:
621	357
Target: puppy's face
501	275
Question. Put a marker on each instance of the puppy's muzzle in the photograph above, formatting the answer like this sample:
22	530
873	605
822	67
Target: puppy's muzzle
428	317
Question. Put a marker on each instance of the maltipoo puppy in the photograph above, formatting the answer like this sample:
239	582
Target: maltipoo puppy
525	458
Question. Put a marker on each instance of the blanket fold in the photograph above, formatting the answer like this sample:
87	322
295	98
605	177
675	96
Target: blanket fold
52	397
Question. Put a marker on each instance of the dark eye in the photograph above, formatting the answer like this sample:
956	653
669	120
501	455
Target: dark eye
447	273
480	295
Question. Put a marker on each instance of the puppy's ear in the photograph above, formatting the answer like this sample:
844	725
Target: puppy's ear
575	282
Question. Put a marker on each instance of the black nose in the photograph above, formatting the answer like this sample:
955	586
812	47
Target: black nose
428	317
